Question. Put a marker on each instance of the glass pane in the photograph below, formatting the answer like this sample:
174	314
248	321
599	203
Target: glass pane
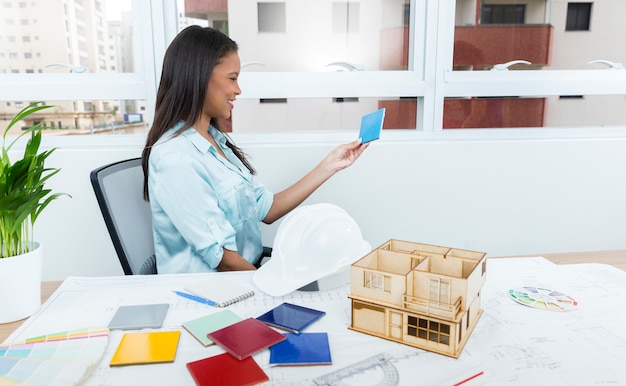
314	35
57	36
318	114
80	117
552	111
550	35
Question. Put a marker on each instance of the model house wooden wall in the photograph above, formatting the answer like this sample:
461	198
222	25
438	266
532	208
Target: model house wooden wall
423	295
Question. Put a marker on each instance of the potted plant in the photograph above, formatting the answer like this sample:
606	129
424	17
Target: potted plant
23	196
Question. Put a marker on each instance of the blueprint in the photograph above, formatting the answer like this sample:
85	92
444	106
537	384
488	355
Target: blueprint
511	344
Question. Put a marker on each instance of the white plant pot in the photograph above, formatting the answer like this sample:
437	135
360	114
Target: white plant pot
20	285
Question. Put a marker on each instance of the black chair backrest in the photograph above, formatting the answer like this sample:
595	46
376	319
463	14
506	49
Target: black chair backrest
119	192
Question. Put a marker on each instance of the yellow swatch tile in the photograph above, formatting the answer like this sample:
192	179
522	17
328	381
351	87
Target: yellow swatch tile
146	347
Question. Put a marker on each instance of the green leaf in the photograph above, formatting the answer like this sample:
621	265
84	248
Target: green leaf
23	195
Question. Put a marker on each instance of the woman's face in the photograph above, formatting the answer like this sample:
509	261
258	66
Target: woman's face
223	87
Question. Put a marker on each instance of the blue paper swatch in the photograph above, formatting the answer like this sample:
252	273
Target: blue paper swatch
372	125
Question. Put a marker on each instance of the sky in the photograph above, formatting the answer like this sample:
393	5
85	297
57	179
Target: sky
114	8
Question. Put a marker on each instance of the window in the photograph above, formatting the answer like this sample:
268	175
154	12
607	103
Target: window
406	15
323	54
374	280
432	86
547	52
271	17
439	290
578	17
221	25
345	17
428	329
503	14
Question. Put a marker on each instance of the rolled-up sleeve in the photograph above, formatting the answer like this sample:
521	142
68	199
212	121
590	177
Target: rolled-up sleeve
264	199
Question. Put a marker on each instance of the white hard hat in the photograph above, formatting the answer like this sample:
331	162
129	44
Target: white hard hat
312	242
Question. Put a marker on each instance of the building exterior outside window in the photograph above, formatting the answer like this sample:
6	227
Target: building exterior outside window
328	62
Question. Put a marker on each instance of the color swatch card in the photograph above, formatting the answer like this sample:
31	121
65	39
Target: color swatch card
146	347
200	327
245	338
224	369
137	317
309	348
82	333
371	126
223	292
36	372
64	358
291	317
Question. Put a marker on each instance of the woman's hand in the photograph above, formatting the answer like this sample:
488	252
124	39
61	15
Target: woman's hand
344	155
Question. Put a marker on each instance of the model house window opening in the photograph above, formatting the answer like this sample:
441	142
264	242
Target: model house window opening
375	281
439	290
428	329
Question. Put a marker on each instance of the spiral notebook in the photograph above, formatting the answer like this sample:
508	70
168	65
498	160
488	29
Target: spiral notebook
223	292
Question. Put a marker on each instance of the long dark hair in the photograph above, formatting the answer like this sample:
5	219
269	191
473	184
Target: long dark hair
187	67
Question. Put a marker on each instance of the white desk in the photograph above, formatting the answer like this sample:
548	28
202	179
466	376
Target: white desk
512	344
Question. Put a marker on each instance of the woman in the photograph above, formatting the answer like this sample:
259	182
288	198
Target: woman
206	205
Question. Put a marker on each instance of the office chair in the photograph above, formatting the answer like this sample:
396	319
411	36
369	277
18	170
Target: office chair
119	192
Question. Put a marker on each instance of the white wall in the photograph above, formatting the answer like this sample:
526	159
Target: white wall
500	197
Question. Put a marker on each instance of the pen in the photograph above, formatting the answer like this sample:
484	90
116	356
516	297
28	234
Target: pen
469	378
196	298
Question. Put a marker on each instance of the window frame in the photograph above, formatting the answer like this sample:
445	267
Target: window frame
430	78
576	9
502	7
375	281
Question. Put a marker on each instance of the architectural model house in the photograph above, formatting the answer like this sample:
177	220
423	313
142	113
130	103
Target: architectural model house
422	295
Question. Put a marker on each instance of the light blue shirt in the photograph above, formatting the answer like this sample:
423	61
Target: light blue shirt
202	203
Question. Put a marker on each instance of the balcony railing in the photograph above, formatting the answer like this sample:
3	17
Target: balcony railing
482	45
433	308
